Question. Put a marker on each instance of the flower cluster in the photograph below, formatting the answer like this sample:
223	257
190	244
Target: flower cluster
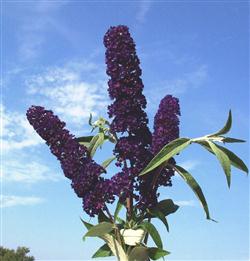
75	161
127	111
135	147
166	123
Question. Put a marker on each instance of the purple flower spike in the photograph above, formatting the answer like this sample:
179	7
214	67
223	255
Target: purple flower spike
125	85
166	123
75	161
127	110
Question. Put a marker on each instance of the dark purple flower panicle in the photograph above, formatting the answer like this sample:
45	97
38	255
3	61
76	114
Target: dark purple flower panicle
166	123
75	161
127	110
166	129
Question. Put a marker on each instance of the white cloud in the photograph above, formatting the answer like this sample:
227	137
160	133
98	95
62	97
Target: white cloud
144	7
185	203
73	91
12	201
16	132
180	85
27	169
189	80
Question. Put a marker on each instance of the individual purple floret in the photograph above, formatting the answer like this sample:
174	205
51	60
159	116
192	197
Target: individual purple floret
75	161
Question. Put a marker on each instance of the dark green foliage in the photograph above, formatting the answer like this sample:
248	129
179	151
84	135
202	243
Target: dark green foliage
20	254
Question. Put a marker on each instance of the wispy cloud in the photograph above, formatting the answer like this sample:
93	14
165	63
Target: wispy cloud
27	169
193	79
177	86
73	91
12	201
144	7
185	203
16	131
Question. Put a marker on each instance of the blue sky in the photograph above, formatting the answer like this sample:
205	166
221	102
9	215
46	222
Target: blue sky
53	56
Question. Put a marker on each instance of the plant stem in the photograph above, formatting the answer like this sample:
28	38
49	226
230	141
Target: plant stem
117	232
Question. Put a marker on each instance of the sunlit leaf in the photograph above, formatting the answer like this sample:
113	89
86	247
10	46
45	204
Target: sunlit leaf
224	160
232	140
100	229
107	162
235	160
152	231
194	186
167	152
226	128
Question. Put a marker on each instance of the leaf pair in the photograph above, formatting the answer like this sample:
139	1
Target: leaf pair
142	253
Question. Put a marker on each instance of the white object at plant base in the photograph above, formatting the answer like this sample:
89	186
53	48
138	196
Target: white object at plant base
132	236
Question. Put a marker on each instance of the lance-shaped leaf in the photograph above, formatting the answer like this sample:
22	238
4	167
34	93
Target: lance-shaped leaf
167	152
103	251
156	253
106	163
96	142
232	140
117	209
155	212
152	231
226	128
224	160
194	186
139	253
90	119
235	160
100	230
86	224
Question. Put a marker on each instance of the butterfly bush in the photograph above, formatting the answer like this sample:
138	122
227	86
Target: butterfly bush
135	145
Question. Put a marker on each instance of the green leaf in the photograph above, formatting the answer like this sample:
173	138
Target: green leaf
167	152
95	143
150	228
106	163
102	217
157	213
232	140
103	251
117	209
86	224
156	253
194	186
99	230
226	128
139	253
224	160
84	139
90	119
167	206
235	160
